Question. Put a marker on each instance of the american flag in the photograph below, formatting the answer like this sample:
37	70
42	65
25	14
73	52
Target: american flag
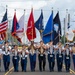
3	26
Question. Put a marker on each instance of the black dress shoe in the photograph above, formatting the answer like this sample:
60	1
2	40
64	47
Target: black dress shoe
24	70
50	70
67	70
6	70
43	69
40	70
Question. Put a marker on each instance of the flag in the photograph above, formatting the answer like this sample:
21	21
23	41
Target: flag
21	24
31	33
48	32
20	30
15	27
39	23
3	26
68	30
57	28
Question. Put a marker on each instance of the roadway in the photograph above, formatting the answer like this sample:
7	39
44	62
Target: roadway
37	72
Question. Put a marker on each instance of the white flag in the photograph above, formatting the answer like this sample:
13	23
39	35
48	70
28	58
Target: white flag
20	31
68	31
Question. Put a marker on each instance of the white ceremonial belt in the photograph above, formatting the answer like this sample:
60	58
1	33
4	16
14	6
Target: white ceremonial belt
23	57
6	54
60	56
32	53
15	57
51	55
67	57
41	54
73	53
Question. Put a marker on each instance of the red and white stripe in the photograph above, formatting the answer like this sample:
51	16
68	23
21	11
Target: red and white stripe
3	36
3	26
3	29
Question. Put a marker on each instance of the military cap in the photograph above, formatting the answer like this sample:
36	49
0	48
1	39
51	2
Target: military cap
67	43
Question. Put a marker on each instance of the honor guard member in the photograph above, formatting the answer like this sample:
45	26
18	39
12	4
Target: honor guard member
59	56
73	54
42	56
6	55
0	55
51	56
32	56
15	58
24	54
67	57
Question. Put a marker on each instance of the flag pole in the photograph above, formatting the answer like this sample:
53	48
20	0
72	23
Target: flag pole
41	34
24	28
59	31
64	30
31	23
68	22
14	37
52	26
40	30
7	28
59	36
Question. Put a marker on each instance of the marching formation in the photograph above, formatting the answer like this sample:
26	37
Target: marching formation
61	53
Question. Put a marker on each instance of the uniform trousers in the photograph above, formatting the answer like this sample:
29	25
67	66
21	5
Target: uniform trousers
42	61
67	62
15	60
73	57
23	63
51	60
32	61
6	62
59	61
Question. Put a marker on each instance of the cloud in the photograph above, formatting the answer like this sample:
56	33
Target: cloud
21	5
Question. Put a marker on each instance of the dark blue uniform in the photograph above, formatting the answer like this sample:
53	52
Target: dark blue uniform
51	59
6	58
15	60
32	61
23	61
6	61
0	57
73	55
32	56
59	57
67	60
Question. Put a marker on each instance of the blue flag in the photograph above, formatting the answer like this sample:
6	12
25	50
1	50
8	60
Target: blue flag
39	23
48	32
5	17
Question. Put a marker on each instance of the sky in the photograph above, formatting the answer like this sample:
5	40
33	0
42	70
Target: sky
45	5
